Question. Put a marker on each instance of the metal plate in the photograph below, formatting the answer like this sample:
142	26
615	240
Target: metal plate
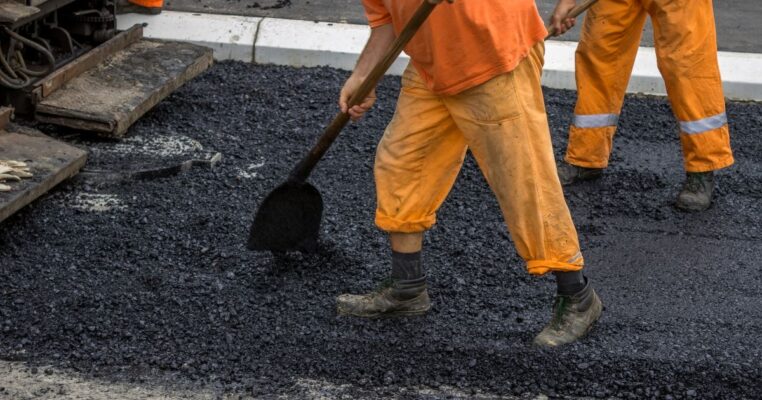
46	86
12	11
50	161
110	97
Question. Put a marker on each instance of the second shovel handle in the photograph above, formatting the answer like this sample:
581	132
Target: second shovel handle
573	13
305	166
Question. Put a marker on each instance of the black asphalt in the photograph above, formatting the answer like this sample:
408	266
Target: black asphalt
163	291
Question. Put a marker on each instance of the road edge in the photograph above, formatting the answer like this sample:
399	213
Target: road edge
301	43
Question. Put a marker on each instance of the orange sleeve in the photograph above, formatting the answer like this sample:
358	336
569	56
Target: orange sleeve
377	13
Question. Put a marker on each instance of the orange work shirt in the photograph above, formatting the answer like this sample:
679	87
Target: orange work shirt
466	43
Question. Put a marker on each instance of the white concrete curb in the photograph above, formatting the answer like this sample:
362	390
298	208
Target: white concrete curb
313	44
310	44
232	37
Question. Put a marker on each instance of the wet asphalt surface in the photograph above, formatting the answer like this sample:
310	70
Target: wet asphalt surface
154	284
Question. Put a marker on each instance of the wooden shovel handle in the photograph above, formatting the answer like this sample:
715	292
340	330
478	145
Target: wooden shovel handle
573	13
307	164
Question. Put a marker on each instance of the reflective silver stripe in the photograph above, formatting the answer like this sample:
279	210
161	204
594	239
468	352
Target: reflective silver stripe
575	258
595	120
703	125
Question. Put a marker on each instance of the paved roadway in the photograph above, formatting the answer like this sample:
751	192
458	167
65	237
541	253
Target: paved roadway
738	27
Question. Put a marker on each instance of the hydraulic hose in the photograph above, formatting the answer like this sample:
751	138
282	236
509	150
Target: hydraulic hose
51	60
4	63
11	78
13	83
22	67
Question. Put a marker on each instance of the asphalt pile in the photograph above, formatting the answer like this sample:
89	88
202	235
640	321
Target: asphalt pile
156	283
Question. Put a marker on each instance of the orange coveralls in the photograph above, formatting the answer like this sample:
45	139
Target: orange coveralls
474	82
686	50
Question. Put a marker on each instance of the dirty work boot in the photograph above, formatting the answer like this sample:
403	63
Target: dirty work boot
697	191
384	302
403	294
573	317
568	173
125	7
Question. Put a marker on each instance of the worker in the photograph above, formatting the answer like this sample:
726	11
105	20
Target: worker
686	52
473	83
151	7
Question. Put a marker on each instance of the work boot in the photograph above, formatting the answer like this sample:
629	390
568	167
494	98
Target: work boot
573	317
697	191
392	299
125	7
568	173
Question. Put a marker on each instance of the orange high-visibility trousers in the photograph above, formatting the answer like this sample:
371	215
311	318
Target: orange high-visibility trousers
148	3
503	122
686	50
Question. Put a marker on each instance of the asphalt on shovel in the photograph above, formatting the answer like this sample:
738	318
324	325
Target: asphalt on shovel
289	217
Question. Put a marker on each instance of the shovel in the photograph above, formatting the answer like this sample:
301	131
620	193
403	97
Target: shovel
289	217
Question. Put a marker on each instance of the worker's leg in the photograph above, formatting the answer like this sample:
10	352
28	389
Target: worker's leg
506	128
406	242
417	162
139	6
686	50
604	59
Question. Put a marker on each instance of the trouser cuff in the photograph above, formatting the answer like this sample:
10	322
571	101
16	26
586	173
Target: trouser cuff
542	267
389	224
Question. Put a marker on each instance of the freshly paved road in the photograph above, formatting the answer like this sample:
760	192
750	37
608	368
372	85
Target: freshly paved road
148	282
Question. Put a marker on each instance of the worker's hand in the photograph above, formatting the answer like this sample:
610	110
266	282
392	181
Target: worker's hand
350	87
559	23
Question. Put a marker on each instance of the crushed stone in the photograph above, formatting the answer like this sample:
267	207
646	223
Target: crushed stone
164	292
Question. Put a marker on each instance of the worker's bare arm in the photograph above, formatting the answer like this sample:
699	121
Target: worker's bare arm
381	39
559	23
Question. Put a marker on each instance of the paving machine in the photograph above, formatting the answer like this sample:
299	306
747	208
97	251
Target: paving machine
63	62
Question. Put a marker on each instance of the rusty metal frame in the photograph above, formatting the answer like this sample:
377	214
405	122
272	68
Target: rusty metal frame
114	121
45	8
59	77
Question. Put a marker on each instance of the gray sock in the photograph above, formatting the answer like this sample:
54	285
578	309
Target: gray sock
569	283
406	266
408	277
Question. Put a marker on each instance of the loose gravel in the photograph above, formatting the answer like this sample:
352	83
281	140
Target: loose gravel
150	281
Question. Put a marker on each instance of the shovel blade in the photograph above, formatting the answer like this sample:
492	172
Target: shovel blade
288	219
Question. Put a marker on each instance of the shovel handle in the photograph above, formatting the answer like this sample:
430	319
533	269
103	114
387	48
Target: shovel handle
573	13
307	164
